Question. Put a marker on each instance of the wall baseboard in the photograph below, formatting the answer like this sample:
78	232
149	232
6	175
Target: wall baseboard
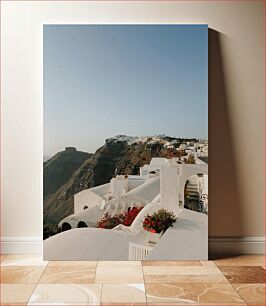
217	245
21	245
237	245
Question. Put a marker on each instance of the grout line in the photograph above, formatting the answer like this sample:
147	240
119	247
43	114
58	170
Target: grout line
96	267
248	284
144	282
37	284
101	293
100	298
237	293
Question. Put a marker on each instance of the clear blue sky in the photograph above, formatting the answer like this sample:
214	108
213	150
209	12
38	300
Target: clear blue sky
138	80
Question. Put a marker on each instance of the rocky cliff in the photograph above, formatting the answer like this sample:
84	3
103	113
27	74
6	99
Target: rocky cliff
117	156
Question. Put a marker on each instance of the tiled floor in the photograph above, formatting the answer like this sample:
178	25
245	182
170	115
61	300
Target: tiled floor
28	280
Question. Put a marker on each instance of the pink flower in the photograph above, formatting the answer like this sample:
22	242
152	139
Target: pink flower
152	230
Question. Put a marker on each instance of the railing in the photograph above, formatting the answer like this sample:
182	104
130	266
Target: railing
138	251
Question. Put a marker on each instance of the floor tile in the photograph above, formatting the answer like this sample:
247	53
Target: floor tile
185	279
72	294
127	304
16	293
194	304
24	260
171	263
119	274
14	304
2	257
192	293
123	293
183	274
123	263
184	270
68	275
85	264
248	274
21	275
209	263
251	293
243	260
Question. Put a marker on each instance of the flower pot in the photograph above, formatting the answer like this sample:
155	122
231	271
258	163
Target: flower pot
154	237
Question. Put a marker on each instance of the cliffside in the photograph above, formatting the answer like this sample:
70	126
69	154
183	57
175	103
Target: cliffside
58	169
95	170
114	157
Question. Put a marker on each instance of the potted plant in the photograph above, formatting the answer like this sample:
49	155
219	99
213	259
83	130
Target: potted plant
157	223
130	215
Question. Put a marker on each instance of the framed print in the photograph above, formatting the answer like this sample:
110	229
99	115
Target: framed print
125	142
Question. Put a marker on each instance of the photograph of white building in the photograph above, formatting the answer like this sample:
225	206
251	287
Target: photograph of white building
125	197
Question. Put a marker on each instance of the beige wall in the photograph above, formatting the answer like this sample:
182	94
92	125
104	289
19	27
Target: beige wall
236	104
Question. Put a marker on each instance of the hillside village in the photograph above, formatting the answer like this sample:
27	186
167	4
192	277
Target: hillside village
120	155
172	174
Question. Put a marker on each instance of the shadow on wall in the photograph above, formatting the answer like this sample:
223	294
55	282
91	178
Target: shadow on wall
225	215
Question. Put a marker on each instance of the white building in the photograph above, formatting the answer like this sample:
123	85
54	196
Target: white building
160	185
154	166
